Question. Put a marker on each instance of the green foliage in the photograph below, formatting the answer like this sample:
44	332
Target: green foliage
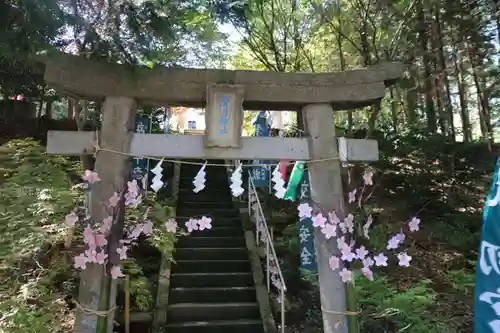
35	195
386	308
141	289
462	281
143	262
162	240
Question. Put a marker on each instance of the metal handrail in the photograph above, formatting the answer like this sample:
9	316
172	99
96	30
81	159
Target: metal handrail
260	218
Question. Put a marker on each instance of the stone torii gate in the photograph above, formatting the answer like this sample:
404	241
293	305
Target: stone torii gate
224	94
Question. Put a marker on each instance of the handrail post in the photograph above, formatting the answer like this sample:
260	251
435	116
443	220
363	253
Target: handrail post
282	296
267	266
260	218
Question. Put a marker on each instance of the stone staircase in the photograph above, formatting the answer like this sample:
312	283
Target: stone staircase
211	286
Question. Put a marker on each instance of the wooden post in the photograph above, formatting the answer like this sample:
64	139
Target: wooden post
326	192
127	304
113	169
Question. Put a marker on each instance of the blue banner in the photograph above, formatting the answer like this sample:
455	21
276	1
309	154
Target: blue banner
260	174
487	293
308	264
140	165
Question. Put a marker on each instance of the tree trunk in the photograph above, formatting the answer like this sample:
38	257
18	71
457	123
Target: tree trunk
394	109
444	83
424	40
71	109
462	95
48	110
483	105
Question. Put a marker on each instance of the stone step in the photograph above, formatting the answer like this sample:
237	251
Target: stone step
211	266
219	221
218	231
189	280
220	326
212	311
216	195
226	221
212	295
209	196
211	253
227	204
192	241
215	212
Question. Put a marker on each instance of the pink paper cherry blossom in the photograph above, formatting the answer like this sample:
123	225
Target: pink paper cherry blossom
319	221
136	232
361	253
380	260
88	236
122	251
100	240
171	225
334	262
352	196
368	262
349	223
305	210
367	178
367	272
394	242
80	261
147	228
71	219
346	275
204	223
113	201
404	259
106	224
91	255
191	225
90	176
132	199
347	254
414	224
100	257
329	230
132	187
333	218
116	272
341	243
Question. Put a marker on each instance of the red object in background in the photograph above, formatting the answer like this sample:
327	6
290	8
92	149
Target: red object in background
17	97
283	166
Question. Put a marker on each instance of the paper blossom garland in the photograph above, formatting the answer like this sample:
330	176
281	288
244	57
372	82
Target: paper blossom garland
157	182
349	252
279	183
199	179
95	234
236	182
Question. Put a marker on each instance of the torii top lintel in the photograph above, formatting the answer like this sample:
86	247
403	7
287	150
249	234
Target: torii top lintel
89	79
